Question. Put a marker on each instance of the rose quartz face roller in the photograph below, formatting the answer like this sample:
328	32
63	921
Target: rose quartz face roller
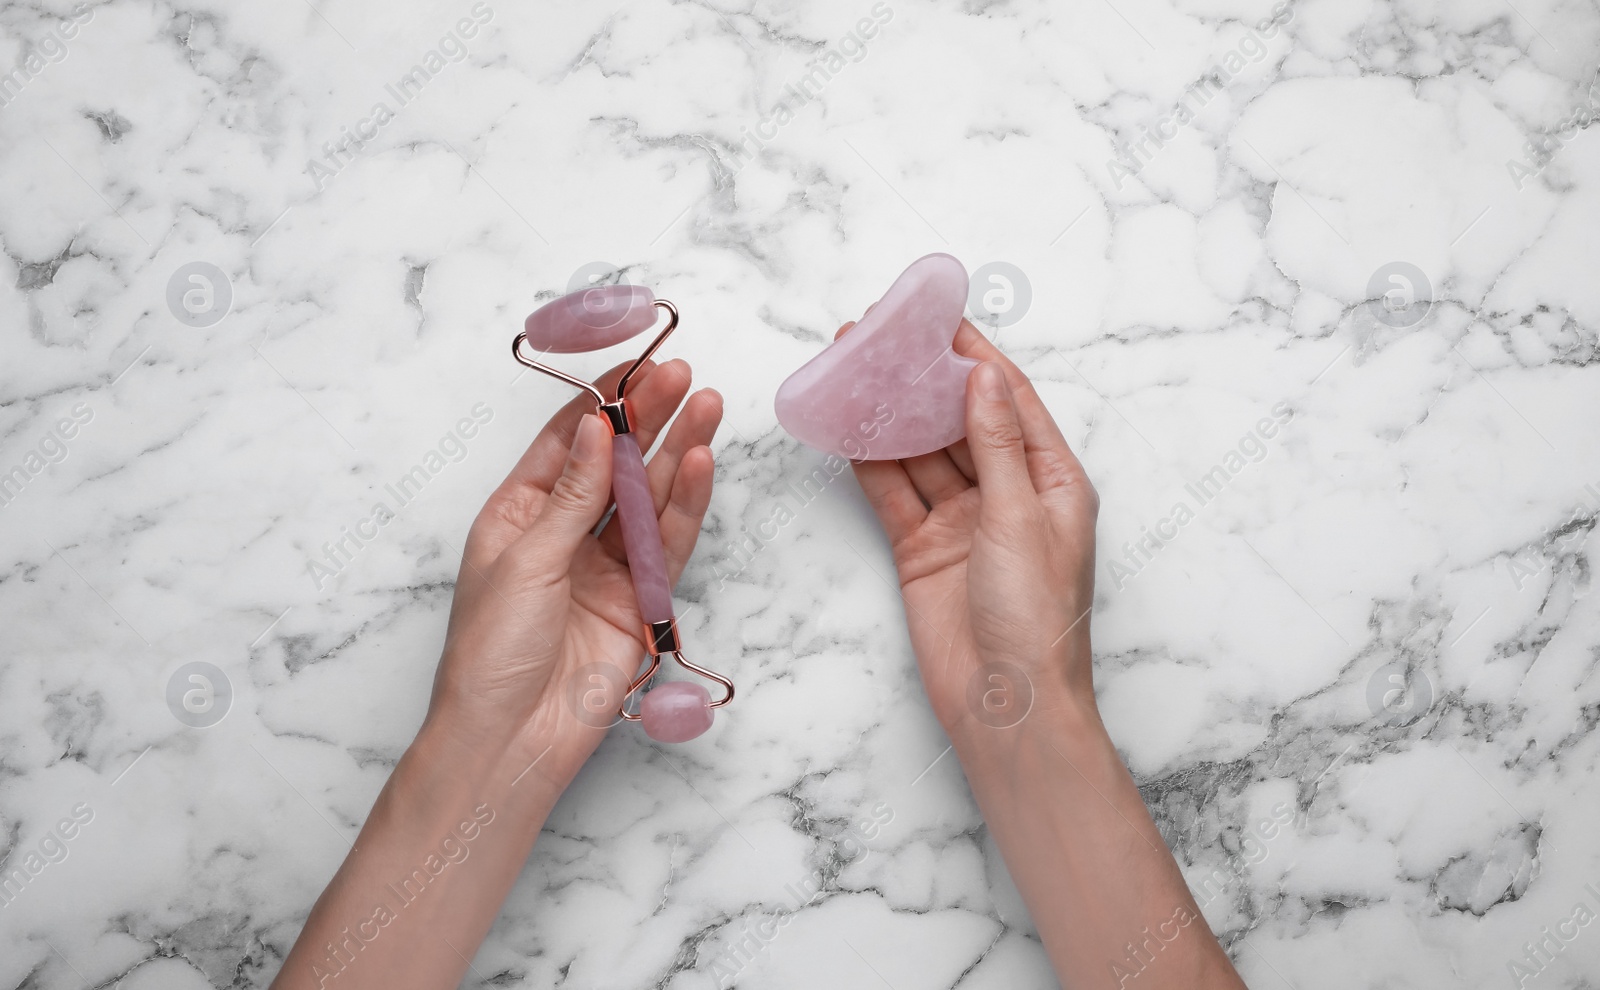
588	320
893	386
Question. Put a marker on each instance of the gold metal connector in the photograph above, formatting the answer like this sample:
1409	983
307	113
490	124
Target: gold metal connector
662	637
617	416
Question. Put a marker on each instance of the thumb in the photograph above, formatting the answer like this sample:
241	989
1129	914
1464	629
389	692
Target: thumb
994	436
576	502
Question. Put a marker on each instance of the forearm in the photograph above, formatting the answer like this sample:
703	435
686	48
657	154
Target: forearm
445	841
1104	891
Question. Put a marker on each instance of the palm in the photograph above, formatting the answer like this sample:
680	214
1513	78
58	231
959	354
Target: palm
548	660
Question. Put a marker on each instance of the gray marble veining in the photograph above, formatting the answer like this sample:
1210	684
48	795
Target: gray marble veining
1310	287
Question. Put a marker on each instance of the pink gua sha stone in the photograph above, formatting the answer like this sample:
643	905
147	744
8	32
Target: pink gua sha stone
676	711
590	319
892	386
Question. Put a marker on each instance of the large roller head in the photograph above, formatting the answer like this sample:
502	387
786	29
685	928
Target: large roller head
590	319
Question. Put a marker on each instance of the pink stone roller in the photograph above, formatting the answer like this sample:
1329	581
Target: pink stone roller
588	320
893	386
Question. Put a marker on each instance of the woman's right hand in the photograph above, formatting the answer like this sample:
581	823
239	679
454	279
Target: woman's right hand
993	540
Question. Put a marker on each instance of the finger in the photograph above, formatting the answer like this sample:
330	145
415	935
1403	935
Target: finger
961	456
892	496
1052	465
1053	469
653	401
542	462
696	426
935	476
685	508
994	434
653	394
518	500
576	501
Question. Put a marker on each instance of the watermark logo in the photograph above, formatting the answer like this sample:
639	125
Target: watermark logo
1252	448
819	72
49	50
1540	953
1141	953
600	313
51	449
452	47
740	552
1398	694
999	694
23	866
597	273
1253	850
1555	542
1399	295
1540	151
595	694
1133	157
199	295
452	448
199	694
999	294
346	947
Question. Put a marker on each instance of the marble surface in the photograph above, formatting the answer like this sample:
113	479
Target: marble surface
1400	508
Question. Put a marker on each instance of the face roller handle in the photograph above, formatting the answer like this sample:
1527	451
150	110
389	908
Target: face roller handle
641	536
677	711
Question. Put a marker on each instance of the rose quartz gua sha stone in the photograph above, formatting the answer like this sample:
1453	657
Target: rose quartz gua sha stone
892	386
588	320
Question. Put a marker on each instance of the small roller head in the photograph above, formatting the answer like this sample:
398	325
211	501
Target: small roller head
676	711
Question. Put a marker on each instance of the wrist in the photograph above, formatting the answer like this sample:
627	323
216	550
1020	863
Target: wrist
1059	722
1052	706
444	842
448	767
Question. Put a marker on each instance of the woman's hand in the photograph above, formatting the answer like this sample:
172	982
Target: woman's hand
545	633
541	604
994	541
993	538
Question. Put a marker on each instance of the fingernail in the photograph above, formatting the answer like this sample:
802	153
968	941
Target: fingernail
587	444
991	381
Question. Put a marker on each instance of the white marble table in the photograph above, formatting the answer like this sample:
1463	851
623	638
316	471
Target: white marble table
1316	501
